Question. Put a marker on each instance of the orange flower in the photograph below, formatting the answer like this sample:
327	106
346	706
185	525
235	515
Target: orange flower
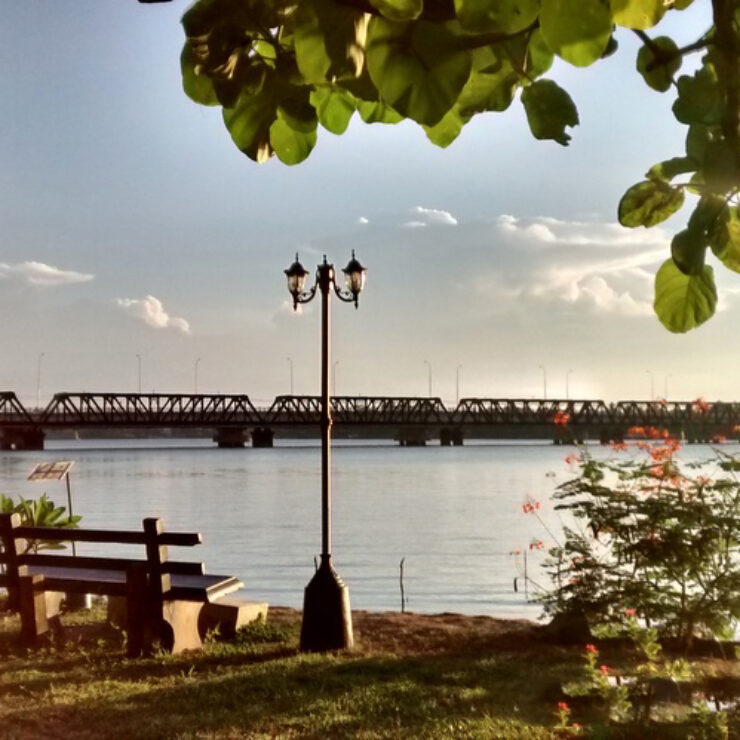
561	418
701	406
536	545
573	459
619	446
636	431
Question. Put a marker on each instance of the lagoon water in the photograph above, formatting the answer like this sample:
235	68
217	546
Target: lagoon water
454	514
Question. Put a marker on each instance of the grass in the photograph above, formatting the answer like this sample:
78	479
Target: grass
410	676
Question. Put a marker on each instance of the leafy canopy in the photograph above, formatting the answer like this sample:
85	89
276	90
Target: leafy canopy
281	68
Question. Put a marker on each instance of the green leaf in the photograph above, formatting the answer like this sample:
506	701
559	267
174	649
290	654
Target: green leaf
683	302
377	112
506	16
197	86
324	33
399	10
698	139
448	129
648	203
418	68
576	30
291	146
720	167
658	68
540	54
549	110
639	14
334	108
668	169
296	110
688	248
725	238
249	123
491	85
699	97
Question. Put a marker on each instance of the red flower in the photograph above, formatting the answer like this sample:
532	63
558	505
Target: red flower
561	418
631	612
701	406
619	446
536	545
563	707
604	669
591	648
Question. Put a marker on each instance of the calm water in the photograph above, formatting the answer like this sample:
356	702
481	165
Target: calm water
454	514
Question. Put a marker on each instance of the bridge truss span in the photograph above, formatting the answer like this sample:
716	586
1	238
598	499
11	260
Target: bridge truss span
151	410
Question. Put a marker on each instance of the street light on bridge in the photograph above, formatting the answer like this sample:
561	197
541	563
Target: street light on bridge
327	620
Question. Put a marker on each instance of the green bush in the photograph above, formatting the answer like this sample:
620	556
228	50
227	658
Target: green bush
40	512
650	538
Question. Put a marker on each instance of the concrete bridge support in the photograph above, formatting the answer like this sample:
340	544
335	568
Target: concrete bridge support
230	437
262	437
23	438
451	436
412	437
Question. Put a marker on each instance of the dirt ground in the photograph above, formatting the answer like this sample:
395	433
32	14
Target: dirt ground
417	634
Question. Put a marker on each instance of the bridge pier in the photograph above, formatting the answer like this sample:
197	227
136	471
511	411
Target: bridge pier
412	437
262	437
451	436
24	438
231	438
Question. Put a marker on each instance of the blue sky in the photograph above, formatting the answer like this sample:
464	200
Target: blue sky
131	225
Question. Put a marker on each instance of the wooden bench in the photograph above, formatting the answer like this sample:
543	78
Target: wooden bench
163	598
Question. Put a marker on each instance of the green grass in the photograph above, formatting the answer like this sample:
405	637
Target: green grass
259	685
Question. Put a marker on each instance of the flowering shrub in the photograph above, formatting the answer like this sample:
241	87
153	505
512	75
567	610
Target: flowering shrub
651	536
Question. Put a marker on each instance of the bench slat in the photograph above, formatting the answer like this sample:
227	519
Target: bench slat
102	563
55	534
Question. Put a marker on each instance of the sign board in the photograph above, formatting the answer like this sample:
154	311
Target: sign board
57	470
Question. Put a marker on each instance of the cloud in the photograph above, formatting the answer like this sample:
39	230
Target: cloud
362	220
414	225
151	311
431	217
599	267
40	275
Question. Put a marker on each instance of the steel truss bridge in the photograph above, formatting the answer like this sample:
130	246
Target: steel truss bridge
233	420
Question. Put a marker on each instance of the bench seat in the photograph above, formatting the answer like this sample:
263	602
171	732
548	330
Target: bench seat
103	582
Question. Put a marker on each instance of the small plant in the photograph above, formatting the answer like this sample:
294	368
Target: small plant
651	536
41	512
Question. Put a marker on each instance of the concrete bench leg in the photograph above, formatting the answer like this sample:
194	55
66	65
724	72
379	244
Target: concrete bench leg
229	613
32	607
180	629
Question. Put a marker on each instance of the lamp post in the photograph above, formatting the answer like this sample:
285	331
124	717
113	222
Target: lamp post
429	366
290	362
138	360
195	371
38	379
652	384
457	384
544	380
327	620
567	385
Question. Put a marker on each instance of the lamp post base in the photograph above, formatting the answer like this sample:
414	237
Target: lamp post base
327	620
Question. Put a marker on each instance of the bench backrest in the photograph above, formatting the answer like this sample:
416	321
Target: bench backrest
155	540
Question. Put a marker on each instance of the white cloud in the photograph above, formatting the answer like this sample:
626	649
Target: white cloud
362	220
434	216
40	275
151	311
599	267
414	225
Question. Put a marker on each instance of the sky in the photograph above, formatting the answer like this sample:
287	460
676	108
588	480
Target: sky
135	236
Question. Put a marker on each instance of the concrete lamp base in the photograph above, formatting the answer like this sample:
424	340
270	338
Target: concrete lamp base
327	620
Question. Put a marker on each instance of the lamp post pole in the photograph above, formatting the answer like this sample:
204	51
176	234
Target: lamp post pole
327	620
457	384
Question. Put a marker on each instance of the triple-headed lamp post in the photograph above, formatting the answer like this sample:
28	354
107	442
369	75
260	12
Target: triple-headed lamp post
327	620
